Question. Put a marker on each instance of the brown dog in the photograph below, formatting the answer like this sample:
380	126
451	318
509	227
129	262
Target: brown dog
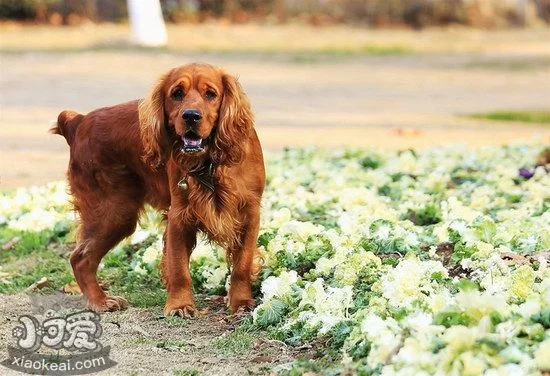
189	148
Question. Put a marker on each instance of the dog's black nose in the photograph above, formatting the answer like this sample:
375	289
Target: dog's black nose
191	116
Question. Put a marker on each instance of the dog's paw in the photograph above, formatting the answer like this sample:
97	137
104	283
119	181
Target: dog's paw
240	306
186	311
109	304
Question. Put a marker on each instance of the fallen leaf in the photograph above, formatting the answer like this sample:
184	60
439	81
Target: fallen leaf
258	344
40	284
514	258
204	311
72	288
10	244
407	132
262	359
140	330
217	298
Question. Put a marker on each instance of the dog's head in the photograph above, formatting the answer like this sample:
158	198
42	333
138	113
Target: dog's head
195	110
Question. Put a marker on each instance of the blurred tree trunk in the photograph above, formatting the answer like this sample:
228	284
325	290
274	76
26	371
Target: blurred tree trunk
280	11
147	24
41	11
90	10
521	6
230	8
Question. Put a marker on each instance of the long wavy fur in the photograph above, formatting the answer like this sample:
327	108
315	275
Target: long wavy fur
152	124
234	125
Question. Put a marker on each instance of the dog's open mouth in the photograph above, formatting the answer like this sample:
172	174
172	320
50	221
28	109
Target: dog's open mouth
192	142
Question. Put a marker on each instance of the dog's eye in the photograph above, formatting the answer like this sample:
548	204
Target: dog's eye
210	94
177	94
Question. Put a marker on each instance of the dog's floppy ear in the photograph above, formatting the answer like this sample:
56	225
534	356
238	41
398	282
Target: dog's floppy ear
234	125
152	123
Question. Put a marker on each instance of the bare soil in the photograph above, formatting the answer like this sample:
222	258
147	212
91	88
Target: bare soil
144	343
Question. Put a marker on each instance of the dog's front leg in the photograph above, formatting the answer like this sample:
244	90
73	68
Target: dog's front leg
180	241
243	260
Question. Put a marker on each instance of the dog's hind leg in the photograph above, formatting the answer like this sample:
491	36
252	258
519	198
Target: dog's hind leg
101	229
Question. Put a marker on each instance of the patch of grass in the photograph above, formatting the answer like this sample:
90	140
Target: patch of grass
45	254
141	291
337	53
27	243
299	56
304	366
32	268
185	372
171	345
175	322
523	64
527	116
141	341
32	258
235	343
387	50
146	299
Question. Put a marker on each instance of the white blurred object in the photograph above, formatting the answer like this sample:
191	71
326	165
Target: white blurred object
147	23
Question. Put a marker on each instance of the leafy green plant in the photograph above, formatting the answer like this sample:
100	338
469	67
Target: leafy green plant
428	215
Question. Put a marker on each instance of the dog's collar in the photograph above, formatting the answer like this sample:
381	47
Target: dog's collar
203	173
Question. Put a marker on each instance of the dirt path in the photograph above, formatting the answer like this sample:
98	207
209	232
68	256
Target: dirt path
145	343
371	101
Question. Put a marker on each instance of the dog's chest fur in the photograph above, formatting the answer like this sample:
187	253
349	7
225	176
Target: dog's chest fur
214	211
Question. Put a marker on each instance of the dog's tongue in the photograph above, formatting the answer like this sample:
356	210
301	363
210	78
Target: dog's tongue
192	142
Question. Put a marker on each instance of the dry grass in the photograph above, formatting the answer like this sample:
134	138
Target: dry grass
219	37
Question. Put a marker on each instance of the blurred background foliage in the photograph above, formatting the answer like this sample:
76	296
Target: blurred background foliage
375	13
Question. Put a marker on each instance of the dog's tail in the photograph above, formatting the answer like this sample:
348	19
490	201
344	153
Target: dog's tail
67	124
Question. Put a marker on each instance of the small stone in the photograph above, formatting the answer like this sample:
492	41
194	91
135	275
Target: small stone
262	359
208	360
